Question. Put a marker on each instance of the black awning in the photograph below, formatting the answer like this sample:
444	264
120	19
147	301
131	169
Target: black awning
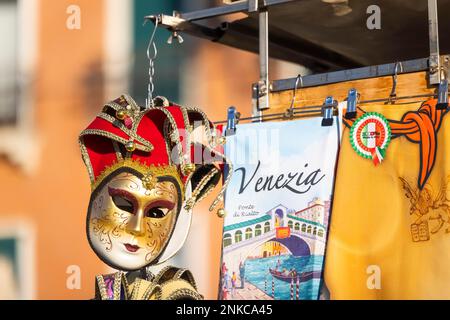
325	37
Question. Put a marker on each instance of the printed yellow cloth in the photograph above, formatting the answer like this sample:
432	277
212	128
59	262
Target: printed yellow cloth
390	226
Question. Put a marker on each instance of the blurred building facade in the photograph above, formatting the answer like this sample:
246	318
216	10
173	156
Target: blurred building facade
60	61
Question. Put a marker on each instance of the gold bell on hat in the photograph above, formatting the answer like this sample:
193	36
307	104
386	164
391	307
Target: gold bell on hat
188	168
221	213
130	146
222	140
121	114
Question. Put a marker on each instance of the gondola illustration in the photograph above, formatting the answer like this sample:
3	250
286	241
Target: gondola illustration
288	276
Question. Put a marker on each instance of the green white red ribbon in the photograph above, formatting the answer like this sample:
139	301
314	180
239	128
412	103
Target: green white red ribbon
370	135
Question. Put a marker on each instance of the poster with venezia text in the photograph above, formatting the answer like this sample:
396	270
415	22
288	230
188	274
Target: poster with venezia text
278	207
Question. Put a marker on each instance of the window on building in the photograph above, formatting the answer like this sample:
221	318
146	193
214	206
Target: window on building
227	239
308	230
8	62
266	227
290	224
315	231
248	233
297	226
238	236
258	230
18	31
304	227
320	233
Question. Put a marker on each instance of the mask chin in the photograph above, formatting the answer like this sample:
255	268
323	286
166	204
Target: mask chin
180	232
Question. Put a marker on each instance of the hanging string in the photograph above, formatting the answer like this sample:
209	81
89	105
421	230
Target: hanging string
151	67
290	112
393	93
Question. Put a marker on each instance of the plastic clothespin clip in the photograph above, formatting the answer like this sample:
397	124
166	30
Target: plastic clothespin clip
351	104
442	102
232	116
288	114
327	111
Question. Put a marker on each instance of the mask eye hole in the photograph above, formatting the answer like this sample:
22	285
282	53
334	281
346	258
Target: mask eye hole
123	203
157	212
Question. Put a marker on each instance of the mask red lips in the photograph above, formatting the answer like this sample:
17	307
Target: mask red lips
131	248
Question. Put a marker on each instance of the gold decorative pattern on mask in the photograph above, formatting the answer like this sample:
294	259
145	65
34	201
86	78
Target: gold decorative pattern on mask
111	224
144	225
166	189
150	173
149	181
160	234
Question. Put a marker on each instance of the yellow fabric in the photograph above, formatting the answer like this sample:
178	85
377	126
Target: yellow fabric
175	287
371	222
142	289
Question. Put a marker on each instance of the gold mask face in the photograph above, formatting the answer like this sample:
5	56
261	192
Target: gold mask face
130	222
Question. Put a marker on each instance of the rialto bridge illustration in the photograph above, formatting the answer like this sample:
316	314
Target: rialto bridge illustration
302	232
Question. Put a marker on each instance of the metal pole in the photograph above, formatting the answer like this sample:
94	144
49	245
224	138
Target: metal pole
263	84
265	284
435	65
273	288
292	288
264	58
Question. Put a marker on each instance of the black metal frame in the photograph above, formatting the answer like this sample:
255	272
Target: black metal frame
434	64
382	70
186	22
241	6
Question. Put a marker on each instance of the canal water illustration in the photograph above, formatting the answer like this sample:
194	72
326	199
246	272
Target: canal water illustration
257	272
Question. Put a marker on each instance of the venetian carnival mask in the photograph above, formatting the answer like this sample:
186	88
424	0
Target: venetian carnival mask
144	180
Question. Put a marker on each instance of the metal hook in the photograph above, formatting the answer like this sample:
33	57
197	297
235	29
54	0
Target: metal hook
290	112
175	35
151	61
393	93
